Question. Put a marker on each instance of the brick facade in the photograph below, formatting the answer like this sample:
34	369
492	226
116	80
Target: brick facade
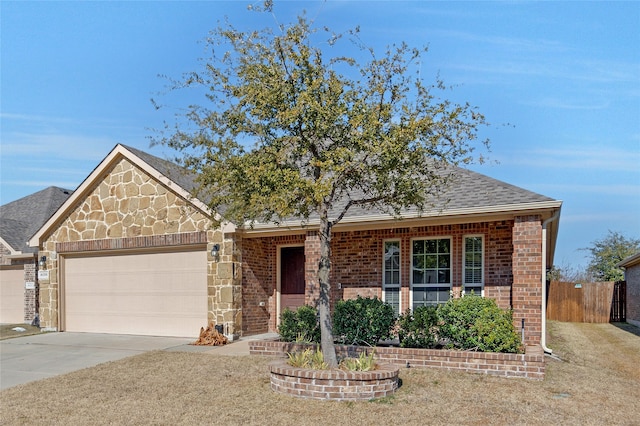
632	277
512	273
529	365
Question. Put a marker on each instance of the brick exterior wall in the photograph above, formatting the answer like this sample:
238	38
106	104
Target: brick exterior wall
512	274
632	277
336	385
529	365
31	296
527	277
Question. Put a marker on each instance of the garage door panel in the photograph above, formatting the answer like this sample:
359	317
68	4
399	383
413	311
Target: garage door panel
12	296
152	294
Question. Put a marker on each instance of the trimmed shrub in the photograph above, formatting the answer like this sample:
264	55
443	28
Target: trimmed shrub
476	323
419	329
362	321
300	325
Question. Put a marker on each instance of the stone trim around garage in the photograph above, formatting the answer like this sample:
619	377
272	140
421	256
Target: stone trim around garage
530	365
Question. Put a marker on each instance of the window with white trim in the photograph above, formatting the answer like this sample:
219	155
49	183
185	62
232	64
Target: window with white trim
473	264
391	275
431	271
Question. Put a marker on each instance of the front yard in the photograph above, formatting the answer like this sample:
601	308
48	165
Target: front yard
598	382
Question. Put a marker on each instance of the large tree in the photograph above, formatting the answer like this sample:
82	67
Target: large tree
294	128
607	252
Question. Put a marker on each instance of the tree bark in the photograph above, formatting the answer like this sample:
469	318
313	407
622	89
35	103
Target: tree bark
324	302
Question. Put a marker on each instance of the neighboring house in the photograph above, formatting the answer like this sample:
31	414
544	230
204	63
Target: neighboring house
631	267
19	220
132	252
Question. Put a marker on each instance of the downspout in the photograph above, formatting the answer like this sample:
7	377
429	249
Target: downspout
543	338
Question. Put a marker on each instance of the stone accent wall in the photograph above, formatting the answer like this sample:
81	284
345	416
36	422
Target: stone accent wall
4	252
128	209
527	277
224	282
632	277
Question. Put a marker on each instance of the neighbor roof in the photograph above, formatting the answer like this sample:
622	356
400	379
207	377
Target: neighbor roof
22	218
630	261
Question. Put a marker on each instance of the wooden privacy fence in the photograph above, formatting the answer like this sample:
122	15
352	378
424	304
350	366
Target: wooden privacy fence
586	302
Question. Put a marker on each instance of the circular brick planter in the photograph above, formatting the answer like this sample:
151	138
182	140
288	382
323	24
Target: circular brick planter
336	385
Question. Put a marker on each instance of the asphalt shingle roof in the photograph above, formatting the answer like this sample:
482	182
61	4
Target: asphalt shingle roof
22	218
468	190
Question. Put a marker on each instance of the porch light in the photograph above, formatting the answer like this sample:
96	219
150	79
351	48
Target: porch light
43	262
215	252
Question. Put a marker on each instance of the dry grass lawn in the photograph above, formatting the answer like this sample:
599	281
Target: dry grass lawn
597	383
7	331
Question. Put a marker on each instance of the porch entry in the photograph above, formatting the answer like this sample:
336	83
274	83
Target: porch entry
291	277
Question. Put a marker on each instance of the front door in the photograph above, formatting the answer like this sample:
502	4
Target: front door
291	277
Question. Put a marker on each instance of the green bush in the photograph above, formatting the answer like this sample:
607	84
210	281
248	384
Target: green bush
419	329
476	323
300	325
362	321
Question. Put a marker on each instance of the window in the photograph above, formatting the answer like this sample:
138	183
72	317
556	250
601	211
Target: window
473	264
391	275
431	271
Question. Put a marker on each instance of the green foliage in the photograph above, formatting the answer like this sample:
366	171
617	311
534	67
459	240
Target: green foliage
364	362
607	252
362	321
299	326
321	133
477	323
307	359
419	328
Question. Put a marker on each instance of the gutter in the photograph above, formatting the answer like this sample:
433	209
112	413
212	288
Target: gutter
543	337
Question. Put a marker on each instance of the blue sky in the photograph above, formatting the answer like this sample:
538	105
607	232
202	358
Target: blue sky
559	81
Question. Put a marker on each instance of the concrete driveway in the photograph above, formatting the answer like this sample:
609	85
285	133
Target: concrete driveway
30	358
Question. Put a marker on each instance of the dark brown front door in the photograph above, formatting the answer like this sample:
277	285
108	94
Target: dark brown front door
291	277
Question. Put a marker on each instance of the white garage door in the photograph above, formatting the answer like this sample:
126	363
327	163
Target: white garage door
157	294
12	296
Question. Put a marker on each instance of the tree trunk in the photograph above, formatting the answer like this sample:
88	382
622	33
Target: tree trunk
324	308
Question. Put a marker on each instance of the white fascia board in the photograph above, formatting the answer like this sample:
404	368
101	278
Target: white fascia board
629	261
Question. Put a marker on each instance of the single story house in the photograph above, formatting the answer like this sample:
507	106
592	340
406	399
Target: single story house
19	220
132	251
631	267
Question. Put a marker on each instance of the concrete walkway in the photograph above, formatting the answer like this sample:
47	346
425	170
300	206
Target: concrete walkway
30	358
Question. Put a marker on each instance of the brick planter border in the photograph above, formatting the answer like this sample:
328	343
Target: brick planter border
529	365
337	385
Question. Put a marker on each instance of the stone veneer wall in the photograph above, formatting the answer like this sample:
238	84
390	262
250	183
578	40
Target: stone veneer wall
129	209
